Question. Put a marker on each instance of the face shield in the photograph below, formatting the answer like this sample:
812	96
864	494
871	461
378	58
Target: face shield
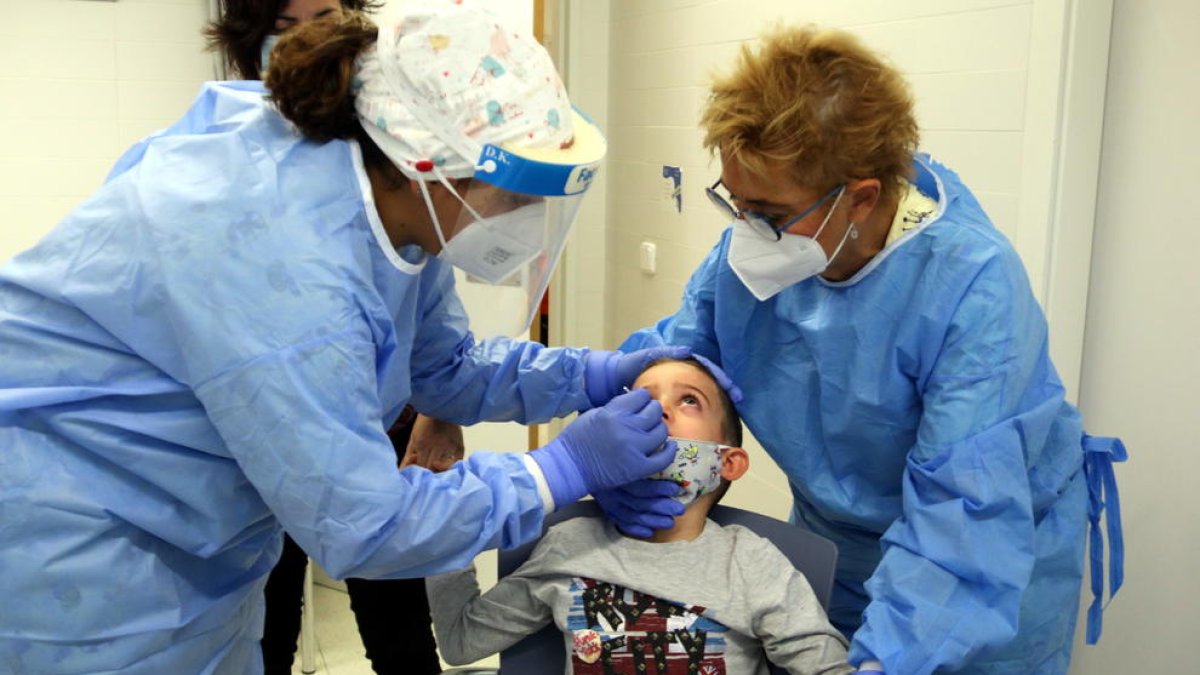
517	212
448	94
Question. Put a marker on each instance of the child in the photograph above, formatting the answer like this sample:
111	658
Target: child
696	598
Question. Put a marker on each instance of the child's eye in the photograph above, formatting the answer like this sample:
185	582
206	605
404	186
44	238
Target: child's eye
690	400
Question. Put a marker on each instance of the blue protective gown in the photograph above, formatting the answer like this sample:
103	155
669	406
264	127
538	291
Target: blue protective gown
915	405
209	348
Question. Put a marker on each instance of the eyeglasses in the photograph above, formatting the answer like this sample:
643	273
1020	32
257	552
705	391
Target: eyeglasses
764	224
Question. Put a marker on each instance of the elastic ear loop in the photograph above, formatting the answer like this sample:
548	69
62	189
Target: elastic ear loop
837	200
851	229
437	225
851	233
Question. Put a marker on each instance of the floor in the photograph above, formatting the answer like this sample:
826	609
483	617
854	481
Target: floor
339	650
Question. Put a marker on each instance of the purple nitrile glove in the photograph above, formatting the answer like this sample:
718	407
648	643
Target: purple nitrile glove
641	507
607	374
605	447
722	378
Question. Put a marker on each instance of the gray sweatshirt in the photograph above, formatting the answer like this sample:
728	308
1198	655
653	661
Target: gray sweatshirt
709	606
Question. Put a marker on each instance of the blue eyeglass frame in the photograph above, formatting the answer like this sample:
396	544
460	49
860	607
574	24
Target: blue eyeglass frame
757	220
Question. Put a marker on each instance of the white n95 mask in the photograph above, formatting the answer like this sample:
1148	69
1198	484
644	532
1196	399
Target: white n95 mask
696	469
495	247
766	266
491	247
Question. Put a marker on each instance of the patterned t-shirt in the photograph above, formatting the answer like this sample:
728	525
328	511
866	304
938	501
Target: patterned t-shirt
719	604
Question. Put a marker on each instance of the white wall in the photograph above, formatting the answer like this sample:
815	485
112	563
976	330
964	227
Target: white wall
79	82
578	301
1141	375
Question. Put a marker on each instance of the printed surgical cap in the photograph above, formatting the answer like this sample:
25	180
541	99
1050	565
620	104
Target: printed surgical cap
447	79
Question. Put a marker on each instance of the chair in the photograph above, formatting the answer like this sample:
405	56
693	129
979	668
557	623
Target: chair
308	618
543	653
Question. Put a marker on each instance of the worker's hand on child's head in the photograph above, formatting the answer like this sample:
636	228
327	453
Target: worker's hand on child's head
641	507
605	447
721	377
607	374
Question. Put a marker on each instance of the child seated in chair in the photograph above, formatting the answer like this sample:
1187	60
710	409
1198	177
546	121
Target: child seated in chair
695	598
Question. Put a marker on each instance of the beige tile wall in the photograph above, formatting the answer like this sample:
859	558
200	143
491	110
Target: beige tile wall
582	280
79	82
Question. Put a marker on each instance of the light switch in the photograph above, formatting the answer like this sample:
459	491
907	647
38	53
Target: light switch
649	252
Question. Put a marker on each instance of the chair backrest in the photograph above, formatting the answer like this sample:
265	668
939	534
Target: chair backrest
543	653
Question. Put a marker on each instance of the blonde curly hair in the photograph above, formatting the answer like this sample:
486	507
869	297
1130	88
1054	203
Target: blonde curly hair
818	102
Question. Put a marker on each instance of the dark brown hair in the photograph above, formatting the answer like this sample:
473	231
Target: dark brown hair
311	71
245	24
310	78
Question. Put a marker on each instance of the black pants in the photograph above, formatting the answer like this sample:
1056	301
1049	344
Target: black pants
392	614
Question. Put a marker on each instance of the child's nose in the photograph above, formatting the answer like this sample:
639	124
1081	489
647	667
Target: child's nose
666	412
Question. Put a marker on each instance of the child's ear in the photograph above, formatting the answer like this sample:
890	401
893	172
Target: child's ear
734	463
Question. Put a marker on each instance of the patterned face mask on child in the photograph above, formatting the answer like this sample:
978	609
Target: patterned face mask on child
697	468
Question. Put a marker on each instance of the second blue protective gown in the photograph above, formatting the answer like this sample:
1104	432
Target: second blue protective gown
916	404
209	348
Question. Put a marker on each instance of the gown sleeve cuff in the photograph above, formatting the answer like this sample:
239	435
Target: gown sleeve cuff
543	488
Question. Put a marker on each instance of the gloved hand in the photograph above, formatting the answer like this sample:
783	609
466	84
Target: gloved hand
734	391
607	374
605	447
641	507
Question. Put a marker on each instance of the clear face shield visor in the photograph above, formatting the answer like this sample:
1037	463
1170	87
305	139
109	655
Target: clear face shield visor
518	210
